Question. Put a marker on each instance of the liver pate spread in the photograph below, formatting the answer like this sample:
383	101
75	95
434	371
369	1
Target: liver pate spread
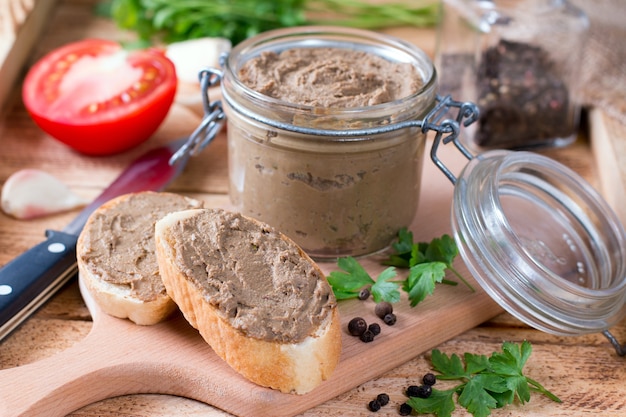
119	244
333	197
329	77
257	280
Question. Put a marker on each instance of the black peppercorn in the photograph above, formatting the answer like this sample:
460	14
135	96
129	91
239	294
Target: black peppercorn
424	391
390	319
405	409
420	391
383	399
374	328
357	326
429	379
367	337
411	391
364	294
374	405
383	308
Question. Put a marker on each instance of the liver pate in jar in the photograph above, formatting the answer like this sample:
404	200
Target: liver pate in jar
289	96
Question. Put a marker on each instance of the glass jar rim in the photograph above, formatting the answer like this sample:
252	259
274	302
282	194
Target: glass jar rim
521	273
342	37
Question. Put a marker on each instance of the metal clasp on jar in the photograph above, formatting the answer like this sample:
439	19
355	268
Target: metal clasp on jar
212	122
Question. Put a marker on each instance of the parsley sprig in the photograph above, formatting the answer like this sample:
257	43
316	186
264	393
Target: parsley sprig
486	382
171	21
427	264
349	282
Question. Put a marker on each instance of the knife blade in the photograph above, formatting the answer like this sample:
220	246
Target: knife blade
33	277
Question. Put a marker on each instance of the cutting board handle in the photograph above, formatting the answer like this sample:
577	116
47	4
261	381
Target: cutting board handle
116	358
62	383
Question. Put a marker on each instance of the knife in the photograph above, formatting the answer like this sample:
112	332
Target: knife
33	277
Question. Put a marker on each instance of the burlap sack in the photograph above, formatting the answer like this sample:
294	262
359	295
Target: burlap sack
604	63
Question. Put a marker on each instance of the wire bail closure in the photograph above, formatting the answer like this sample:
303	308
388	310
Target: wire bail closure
619	348
467	114
212	122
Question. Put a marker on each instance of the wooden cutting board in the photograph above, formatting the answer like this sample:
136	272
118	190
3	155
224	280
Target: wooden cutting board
118	357
608	141
21	24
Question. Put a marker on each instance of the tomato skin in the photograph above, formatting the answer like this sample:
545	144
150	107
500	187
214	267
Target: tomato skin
93	111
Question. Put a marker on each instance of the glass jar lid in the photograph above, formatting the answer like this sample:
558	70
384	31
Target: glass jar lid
541	241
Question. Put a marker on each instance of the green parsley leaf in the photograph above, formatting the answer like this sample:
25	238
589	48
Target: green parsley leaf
347	283
475	396
510	363
512	359
440	403
422	279
344	295
427	261
485	383
385	290
450	367
405	241
170	21
418	254
441	249
475	363
427	264
403	249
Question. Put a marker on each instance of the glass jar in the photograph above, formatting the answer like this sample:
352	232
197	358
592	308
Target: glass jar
333	194
519	61
541	241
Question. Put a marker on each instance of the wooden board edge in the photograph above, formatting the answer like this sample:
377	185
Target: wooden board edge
608	144
16	55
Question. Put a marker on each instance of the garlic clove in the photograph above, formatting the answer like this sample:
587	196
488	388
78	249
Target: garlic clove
189	58
31	193
193	55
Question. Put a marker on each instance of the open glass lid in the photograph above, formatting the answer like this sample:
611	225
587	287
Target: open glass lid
536	236
541	241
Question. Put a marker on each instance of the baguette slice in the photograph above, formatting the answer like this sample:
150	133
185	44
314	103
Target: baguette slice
256	298
116	258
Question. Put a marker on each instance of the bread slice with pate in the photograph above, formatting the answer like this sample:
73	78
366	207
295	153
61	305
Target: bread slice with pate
257	299
116	255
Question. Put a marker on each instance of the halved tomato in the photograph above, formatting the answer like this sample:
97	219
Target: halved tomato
98	98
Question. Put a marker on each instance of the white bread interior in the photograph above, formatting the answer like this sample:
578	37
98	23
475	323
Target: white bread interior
289	367
118	300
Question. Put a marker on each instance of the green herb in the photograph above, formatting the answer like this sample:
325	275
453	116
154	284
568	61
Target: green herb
170	21
427	263
348	283
487	382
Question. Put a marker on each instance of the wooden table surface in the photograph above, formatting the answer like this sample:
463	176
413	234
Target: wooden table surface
583	371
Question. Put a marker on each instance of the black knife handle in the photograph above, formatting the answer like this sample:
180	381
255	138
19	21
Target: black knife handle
30	279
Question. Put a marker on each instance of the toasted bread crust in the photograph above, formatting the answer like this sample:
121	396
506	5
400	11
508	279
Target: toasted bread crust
289	367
